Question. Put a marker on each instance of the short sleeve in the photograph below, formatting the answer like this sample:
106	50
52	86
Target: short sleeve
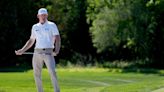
55	30
33	33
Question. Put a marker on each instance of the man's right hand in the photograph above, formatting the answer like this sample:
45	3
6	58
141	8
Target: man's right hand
19	52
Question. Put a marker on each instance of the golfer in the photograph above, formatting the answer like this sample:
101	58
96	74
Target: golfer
46	34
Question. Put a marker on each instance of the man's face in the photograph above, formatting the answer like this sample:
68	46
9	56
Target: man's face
42	18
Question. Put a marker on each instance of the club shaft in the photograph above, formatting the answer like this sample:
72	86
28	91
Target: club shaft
32	53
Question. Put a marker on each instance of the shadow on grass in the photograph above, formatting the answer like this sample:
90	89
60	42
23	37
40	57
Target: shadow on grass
138	70
15	69
132	67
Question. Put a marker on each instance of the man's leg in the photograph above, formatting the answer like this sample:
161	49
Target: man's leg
50	63
37	63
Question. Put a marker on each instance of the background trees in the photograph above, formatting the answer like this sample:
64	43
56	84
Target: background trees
91	30
126	28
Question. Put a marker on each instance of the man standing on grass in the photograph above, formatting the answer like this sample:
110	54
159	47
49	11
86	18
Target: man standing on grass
46	35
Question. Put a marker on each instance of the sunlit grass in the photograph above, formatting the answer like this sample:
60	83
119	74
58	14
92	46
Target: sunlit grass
84	80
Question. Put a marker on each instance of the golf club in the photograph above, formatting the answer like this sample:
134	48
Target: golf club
32	53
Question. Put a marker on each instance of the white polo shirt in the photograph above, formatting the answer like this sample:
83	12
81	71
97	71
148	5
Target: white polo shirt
44	34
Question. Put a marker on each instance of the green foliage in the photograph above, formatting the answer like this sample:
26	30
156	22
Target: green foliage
111	27
70	18
19	16
127	25
15	26
119	30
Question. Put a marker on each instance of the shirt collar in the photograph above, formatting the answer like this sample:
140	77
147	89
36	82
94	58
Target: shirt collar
43	24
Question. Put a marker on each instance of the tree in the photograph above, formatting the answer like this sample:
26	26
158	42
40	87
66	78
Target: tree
121	26
17	18
112	26
70	17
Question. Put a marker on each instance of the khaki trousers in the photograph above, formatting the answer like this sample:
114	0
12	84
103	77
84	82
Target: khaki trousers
37	63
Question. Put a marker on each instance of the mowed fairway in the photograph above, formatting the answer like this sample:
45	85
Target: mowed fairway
84	80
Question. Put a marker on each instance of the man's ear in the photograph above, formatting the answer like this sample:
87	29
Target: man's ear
37	16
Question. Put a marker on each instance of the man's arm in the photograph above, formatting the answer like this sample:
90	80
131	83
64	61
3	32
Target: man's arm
28	45
57	44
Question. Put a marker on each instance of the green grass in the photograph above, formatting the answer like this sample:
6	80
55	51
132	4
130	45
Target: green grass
84	80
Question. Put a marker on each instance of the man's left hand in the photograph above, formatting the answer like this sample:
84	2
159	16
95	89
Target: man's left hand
54	54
